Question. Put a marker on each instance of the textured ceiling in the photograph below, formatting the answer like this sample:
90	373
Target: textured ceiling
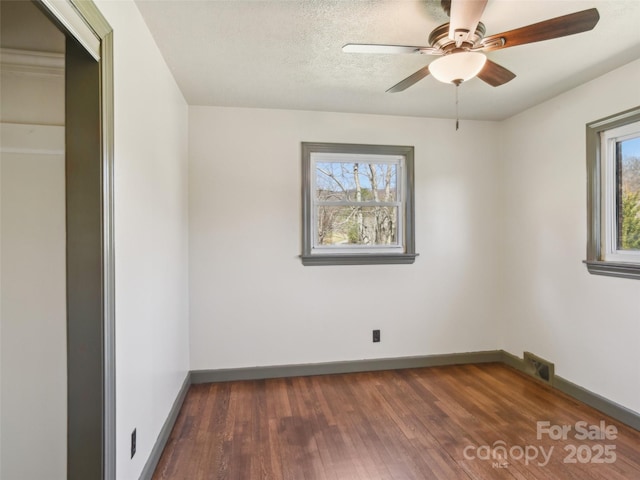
287	54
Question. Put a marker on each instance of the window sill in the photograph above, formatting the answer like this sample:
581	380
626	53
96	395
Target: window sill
359	259
613	269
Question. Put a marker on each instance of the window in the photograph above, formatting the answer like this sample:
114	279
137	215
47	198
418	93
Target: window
357	204
613	170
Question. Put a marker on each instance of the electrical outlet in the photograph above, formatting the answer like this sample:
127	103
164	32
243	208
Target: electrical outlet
376	336
133	443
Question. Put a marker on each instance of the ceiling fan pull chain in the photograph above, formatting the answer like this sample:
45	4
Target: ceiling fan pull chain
457	114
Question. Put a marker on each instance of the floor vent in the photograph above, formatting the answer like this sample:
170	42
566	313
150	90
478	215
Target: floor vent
539	368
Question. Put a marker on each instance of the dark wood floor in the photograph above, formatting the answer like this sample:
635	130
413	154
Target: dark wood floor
429	423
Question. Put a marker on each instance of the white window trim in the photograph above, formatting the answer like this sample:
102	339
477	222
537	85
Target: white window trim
603	258
404	252
609	139
398	160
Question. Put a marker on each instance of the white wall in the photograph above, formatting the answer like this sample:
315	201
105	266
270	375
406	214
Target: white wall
150	236
253	303
34	356
33	344
588	325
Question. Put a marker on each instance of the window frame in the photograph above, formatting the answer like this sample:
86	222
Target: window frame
603	257
359	255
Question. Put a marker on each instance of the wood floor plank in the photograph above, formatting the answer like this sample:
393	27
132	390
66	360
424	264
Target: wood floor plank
437	423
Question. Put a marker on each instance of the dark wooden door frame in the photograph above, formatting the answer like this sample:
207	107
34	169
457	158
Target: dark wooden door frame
91	439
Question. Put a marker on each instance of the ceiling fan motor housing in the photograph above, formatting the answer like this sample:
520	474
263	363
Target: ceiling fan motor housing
439	38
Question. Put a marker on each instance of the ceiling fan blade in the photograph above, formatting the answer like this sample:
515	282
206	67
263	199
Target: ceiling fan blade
464	18
375	48
553	28
446	6
410	80
494	74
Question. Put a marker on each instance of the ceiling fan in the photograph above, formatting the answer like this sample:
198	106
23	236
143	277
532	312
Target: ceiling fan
460	44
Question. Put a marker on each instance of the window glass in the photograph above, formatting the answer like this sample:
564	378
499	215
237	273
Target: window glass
354	225
628	193
356	182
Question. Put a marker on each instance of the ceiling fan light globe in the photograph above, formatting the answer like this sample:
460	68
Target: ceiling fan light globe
457	67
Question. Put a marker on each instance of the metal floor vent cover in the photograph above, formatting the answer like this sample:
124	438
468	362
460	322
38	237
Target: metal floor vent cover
539	368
